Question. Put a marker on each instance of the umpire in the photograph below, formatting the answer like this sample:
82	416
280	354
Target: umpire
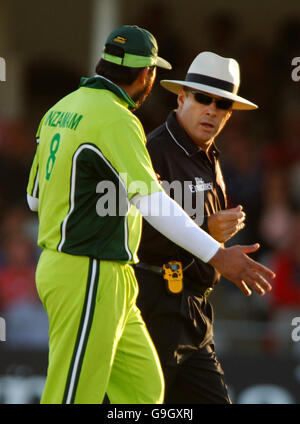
180	319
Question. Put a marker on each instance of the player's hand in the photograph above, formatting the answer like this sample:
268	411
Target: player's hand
235	265
226	223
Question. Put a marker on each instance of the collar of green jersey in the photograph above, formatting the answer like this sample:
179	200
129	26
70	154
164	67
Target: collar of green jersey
102	83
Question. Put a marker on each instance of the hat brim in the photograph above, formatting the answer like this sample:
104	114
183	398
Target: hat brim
239	102
162	63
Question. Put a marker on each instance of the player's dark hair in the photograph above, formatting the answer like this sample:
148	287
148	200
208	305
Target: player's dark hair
117	73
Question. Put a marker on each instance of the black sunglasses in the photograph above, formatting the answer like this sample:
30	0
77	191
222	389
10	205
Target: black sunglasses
205	99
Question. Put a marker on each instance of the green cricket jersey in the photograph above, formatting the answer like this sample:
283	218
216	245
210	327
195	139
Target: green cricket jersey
90	161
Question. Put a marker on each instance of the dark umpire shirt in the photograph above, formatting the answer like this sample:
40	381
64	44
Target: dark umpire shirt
176	157
181	325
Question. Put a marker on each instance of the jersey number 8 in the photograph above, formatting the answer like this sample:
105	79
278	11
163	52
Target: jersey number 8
54	145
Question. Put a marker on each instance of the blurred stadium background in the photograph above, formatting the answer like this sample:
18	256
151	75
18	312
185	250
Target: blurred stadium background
47	48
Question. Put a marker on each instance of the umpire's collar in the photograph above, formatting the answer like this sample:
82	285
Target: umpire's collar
183	140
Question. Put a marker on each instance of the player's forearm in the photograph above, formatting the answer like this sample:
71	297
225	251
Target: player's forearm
167	217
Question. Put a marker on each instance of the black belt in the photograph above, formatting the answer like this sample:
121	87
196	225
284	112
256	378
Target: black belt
203	291
154	268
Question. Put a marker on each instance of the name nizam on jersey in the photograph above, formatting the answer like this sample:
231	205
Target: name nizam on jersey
63	119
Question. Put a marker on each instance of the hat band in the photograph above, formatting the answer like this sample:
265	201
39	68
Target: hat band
130	60
211	81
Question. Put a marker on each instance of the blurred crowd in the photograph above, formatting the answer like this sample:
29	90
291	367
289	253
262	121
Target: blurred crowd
260	153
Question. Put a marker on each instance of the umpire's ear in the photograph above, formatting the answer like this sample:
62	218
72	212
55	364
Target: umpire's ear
181	98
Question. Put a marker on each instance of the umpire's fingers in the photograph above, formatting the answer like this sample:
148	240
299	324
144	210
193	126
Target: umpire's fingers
232	216
232	230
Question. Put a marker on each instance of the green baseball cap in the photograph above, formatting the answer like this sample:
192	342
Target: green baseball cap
138	46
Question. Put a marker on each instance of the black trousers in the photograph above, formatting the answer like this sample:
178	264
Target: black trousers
181	327
198	380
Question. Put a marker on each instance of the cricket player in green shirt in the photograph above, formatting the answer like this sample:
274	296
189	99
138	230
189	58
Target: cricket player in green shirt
91	181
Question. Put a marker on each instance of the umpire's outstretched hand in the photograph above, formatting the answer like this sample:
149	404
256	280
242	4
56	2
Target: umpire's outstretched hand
234	264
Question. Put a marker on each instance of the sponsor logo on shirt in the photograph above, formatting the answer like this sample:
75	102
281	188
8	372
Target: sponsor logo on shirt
200	185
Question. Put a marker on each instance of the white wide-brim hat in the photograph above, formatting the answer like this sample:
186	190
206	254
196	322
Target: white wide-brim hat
213	74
